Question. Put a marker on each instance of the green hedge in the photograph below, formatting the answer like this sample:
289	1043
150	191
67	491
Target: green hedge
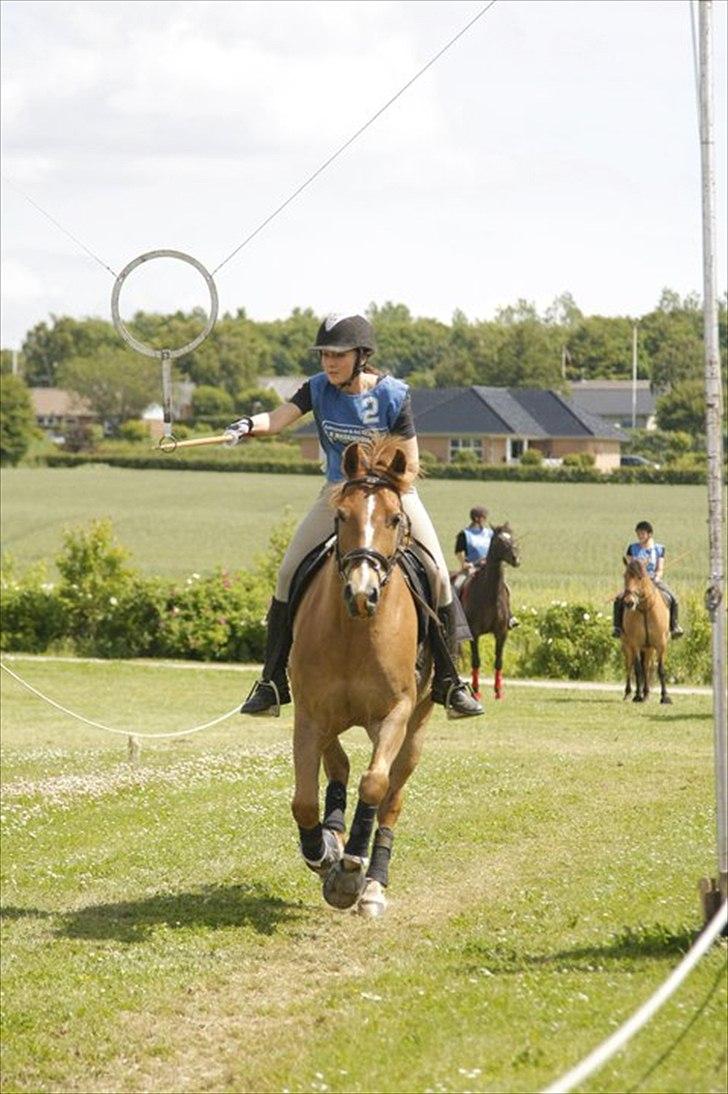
101	607
191	460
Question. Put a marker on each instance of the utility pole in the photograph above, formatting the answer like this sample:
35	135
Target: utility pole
634	376
713	894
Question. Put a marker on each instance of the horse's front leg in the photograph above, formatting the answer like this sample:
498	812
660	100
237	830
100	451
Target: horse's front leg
500	641
373	901
664	697
639	676
475	666
336	766
320	846
345	882
628	662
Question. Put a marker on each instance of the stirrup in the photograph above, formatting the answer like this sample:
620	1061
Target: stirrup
272	711
450	711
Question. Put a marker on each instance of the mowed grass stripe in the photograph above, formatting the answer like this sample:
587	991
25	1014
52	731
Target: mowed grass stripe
166	935
177	523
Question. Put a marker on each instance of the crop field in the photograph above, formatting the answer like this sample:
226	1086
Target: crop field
176	523
159	931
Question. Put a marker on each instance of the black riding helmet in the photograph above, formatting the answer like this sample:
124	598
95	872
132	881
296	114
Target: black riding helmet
345	332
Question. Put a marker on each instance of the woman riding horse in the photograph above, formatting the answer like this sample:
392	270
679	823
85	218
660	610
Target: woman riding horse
351	401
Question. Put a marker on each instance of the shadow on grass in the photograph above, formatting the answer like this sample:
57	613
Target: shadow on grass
212	907
634	944
681	717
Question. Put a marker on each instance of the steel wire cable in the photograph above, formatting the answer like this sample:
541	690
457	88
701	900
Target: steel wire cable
111	729
327	163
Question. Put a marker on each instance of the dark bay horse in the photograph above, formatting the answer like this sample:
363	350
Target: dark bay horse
487	603
353	664
645	631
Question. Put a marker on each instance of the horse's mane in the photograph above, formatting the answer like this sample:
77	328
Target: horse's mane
636	567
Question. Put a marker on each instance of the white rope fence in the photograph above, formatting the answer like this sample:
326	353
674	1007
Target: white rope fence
641	1017
110	729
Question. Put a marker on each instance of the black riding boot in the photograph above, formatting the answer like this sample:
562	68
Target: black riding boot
271	691
447	687
676	630
617	614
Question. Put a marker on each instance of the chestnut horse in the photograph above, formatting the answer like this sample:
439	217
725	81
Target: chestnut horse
645	631
353	664
487	603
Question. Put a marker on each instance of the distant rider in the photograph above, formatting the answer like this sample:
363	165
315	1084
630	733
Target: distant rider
653	556
471	549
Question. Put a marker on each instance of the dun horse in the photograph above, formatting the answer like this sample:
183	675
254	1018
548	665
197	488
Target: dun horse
353	663
645	631
487	604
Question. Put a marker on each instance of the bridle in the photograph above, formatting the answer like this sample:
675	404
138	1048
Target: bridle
381	564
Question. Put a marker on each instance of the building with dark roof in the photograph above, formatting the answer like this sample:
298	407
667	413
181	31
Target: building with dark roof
498	424
615	401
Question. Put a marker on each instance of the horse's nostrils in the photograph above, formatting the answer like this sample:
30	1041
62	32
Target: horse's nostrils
361	604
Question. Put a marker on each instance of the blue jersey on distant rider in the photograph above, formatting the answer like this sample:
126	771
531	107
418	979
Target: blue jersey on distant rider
477	542
342	419
649	555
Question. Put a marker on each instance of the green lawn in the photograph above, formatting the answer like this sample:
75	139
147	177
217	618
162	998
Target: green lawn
175	523
160	932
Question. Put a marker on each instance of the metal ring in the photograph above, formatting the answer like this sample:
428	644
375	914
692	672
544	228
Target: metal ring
141	347
167	443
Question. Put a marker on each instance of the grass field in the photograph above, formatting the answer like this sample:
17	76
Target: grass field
572	536
161	934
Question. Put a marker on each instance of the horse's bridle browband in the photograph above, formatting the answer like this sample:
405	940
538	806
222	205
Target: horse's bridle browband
383	564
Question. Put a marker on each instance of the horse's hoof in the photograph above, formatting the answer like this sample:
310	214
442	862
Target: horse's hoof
666	700
345	881
498	695
638	699
332	854
372	902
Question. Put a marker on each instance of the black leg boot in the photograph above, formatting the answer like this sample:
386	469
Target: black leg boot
617	613
676	630
271	691
447	687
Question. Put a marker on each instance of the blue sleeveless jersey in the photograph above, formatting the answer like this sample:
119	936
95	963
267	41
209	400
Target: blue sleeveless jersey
342	419
477	543
648	555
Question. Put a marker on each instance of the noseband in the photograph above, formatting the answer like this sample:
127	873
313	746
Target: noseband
382	564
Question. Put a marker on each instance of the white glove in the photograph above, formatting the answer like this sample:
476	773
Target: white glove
238	430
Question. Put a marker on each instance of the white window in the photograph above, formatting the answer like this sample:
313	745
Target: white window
466	444
516	448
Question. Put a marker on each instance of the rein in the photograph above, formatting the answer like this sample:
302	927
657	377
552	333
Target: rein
382	564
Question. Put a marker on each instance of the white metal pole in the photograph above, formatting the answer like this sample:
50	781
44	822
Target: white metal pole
634	375
715	596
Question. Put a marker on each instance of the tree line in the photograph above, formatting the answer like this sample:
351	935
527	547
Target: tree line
519	347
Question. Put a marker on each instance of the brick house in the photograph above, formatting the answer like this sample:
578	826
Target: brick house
499	424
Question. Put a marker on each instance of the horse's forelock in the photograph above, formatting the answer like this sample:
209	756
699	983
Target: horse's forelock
636	567
378	455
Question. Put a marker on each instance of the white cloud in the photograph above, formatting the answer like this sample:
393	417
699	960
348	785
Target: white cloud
553	147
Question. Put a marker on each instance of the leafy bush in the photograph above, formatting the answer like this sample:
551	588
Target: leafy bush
254	400
134	431
531	457
209	401
32	615
579	459
571	641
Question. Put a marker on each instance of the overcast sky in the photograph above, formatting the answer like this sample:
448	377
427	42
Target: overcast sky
553	148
